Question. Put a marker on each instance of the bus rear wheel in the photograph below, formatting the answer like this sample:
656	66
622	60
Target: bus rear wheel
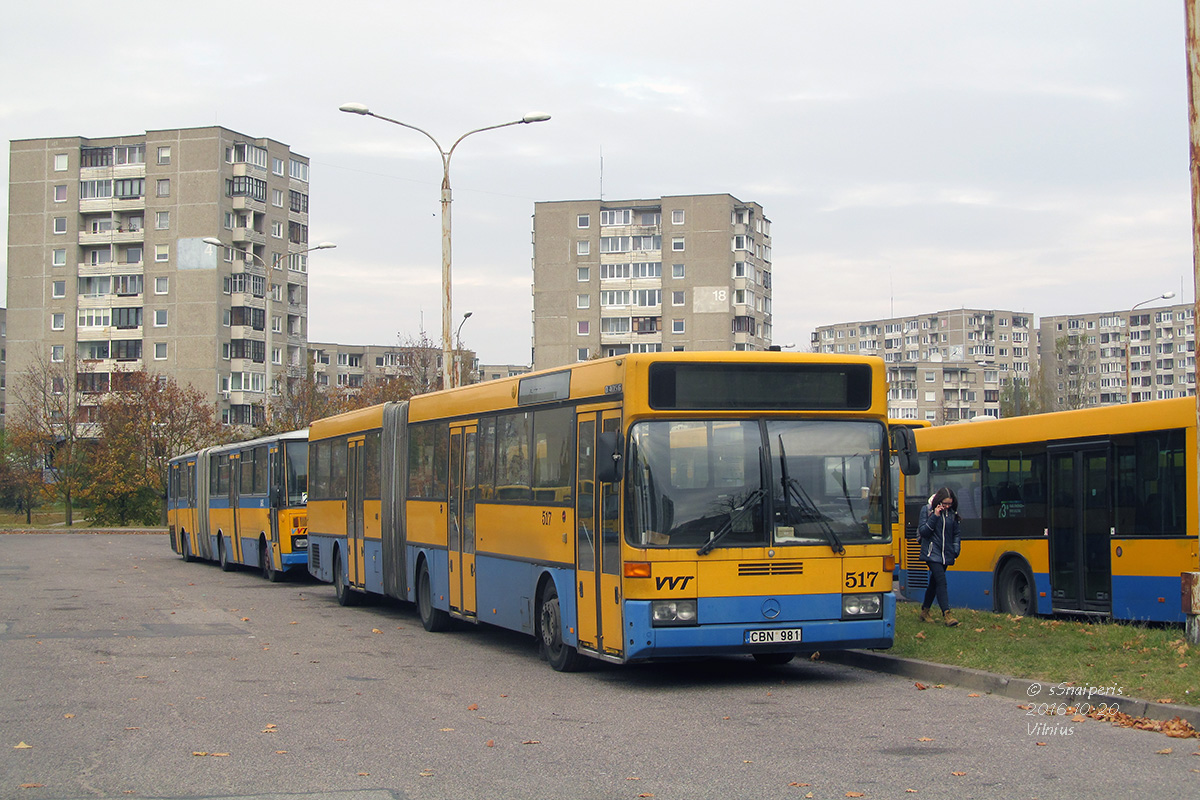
345	595
561	655
223	555
433	619
1015	589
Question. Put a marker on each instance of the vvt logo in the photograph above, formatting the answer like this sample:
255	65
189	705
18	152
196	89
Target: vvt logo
672	582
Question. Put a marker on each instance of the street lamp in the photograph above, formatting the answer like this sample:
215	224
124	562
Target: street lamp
359	108
1129	341
267	326
458	346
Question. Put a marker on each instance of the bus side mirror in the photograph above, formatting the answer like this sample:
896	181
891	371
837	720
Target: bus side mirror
608	457
904	443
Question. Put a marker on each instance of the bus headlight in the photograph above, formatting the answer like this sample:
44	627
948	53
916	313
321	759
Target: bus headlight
862	606
673	612
299	543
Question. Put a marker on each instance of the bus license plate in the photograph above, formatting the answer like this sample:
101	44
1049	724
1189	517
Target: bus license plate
773	636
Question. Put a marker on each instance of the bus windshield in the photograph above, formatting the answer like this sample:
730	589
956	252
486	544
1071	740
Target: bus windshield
745	483
297	472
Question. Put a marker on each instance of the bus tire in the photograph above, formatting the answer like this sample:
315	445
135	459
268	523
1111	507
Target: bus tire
345	595
223	555
561	655
183	548
773	659
434	620
1015	589
268	565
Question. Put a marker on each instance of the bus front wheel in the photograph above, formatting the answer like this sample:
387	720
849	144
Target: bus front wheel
268	564
561	655
433	619
1015	589
183	549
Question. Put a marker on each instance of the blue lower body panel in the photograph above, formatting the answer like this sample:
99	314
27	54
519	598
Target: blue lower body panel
724	622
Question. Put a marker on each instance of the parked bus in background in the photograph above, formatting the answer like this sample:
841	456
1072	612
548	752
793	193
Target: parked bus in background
903	549
242	504
636	507
1089	512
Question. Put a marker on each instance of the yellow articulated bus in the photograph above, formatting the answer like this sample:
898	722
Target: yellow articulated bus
637	507
1089	512
242	504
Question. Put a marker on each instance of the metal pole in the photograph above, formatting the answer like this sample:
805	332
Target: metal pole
1191	599
447	374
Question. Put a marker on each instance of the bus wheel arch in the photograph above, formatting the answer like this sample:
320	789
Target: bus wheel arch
341	586
549	628
223	553
1016	592
266	562
183	547
433	619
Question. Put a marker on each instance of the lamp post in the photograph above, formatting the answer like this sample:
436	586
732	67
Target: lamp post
458	348
359	108
1129	341
267	327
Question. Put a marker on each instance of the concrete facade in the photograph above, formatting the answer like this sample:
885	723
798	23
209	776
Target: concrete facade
686	272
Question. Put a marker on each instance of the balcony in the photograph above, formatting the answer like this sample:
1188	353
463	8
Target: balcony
116	236
243	235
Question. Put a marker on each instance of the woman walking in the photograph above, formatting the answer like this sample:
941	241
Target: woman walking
938	529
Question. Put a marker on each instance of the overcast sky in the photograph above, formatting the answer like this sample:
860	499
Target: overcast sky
912	156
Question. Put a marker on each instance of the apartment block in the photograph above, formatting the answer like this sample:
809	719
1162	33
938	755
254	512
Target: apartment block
944	366
686	272
107	267
1114	357
351	366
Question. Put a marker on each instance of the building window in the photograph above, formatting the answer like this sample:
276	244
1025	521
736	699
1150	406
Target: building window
277	198
164	155
582	274
677	217
160	318
298	170
677	244
60	225
162	252
58	289
160	351
676	298
57	352
583	248
59	257
582	327
581	354
161	284
676	326
583	301
583	221
277	229
164	187
58	322
60	193
162	220
60	162
277	166
677	271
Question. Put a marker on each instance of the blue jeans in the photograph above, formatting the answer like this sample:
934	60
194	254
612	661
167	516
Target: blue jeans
937	587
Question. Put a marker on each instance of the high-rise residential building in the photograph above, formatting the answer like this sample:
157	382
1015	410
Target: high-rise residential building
107	267
686	272
356	366
942	367
1110	357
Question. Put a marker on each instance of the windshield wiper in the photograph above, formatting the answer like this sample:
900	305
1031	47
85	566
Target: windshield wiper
793	490
738	517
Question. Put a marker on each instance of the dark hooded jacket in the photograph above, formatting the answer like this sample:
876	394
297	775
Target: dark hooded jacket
940	535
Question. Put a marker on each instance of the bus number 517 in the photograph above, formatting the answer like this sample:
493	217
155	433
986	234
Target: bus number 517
861	580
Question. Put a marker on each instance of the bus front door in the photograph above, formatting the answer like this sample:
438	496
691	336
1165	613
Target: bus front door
355	564
1080	529
597	544
461	521
235	508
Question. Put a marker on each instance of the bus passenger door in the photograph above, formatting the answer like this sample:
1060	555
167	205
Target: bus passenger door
1080	529
597	543
235	511
461	520
355	565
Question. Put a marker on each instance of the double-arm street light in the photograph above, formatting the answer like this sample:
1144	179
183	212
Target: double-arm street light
1129	340
359	108
270	292
458	346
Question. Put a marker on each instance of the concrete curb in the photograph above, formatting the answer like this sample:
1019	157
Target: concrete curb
1005	686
